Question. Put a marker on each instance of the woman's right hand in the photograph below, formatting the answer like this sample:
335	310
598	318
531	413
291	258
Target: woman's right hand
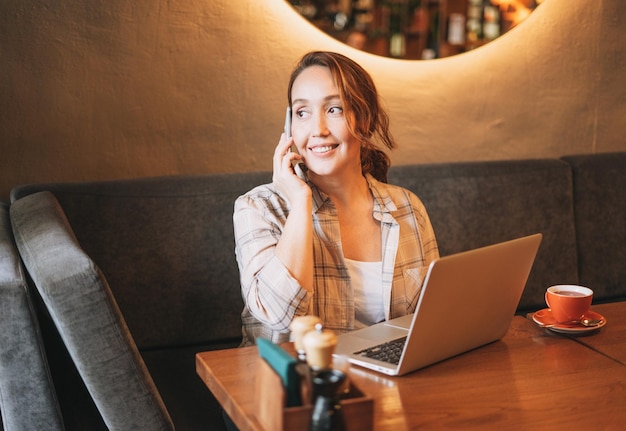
295	246
284	176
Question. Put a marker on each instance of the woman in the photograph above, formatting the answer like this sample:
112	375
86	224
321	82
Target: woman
329	237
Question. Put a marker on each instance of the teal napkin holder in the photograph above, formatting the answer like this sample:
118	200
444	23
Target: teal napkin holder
283	364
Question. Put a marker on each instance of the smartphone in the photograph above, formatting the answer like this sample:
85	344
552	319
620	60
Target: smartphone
299	166
288	122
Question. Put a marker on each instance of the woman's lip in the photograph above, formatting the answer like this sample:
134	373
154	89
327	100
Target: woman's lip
330	147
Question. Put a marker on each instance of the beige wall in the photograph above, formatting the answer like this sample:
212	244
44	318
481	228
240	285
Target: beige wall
118	89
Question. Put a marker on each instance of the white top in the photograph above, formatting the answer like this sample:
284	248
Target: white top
366	280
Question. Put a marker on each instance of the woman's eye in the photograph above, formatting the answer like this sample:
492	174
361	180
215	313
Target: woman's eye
335	110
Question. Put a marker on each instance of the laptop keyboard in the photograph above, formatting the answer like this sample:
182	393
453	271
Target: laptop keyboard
386	352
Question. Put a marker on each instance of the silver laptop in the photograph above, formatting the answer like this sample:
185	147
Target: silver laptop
467	300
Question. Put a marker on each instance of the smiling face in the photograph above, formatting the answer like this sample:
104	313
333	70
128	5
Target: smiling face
319	125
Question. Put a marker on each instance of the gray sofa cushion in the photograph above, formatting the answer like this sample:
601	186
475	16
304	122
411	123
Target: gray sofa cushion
87	317
600	211
473	204
27	397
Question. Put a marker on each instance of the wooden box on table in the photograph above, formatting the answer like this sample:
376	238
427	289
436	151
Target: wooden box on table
272	414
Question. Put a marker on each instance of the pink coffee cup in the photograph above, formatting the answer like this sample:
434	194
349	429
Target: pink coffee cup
568	302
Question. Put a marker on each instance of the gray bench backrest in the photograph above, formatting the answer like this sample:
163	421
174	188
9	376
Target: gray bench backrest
600	211
166	246
474	204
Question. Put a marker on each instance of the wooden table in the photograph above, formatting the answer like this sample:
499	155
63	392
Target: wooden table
531	379
611	339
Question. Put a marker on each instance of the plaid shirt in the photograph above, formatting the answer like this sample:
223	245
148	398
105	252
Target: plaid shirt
273	297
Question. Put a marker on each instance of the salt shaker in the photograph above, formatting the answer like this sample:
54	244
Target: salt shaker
299	327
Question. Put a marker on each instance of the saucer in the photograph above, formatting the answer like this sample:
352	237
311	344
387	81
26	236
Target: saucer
544	317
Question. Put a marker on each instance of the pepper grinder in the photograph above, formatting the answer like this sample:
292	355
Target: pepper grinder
327	413
319	346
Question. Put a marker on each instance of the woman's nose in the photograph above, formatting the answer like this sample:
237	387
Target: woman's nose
320	128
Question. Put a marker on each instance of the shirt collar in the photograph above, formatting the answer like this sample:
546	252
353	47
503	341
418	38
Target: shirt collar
383	204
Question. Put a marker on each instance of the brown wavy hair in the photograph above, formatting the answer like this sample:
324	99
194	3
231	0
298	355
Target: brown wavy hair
369	121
